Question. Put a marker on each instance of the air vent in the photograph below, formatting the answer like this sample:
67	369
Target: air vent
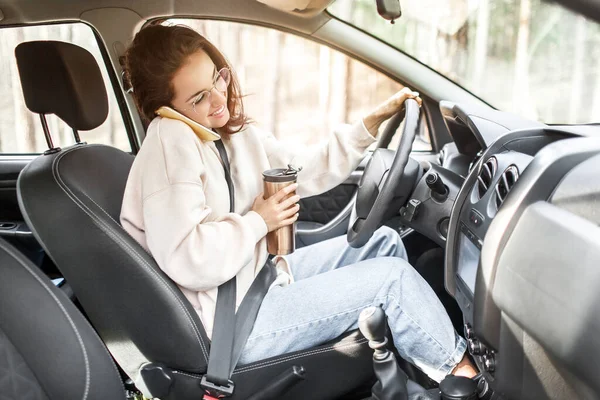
484	180
505	184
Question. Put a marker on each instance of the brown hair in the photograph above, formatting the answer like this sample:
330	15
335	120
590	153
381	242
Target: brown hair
157	53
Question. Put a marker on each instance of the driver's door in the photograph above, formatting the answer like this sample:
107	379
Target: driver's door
300	91
326	215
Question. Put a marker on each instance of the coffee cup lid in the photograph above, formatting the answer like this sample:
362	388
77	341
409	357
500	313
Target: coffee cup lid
281	174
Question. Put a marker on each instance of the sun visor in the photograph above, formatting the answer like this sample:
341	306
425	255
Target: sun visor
296	5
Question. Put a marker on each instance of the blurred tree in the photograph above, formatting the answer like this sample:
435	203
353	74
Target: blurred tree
521	102
324	85
481	42
348	85
339	79
595	55
23	134
577	77
274	87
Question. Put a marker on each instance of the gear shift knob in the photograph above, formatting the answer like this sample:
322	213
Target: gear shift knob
372	324
391	380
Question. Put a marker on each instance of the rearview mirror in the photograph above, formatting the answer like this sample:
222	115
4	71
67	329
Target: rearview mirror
389	9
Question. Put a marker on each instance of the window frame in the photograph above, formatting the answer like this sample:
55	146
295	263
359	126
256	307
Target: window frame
427	118
114	83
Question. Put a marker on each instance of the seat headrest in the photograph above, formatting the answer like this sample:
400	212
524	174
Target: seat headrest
63	79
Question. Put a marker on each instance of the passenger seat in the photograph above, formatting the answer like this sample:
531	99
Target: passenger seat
48	351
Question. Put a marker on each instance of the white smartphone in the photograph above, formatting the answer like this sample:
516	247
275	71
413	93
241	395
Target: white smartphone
201	131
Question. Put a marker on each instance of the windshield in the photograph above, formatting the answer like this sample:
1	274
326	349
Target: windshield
530	57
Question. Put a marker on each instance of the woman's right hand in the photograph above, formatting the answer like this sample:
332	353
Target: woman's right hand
388	108
280	209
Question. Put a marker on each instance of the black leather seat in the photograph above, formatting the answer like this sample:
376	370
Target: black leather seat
48	351
71	198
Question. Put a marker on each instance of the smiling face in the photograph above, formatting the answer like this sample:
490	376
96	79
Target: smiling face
179	74
191	85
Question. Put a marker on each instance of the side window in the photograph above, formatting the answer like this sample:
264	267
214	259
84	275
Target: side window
295	88
20	129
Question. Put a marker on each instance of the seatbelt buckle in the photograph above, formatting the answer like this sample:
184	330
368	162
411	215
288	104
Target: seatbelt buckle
214	391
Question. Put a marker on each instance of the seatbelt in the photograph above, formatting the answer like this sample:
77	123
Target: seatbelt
231	330
227	169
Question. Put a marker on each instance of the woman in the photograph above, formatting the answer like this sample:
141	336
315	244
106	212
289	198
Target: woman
176	205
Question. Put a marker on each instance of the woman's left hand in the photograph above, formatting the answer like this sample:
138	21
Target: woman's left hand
388	108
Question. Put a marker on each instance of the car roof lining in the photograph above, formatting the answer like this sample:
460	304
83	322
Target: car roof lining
17	12
304	7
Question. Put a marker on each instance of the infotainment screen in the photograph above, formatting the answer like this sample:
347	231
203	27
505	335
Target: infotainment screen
468	261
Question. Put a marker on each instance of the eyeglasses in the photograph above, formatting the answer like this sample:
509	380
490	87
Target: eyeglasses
221	82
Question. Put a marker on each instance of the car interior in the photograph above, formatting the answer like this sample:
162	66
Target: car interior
501	216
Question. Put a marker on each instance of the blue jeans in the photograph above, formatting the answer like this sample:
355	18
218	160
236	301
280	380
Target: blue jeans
334	283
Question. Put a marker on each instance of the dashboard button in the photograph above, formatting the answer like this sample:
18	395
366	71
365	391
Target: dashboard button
469	331
470	236
410	211
476	347
483	388
475	217
489	362
443	227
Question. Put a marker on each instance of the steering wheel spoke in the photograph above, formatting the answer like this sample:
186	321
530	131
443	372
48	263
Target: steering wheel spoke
382	184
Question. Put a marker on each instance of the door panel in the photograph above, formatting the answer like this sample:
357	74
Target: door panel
325	207
12	226
308	233
9	173
326	216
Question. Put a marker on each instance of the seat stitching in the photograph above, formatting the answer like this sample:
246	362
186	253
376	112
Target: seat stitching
294	357
281	360
64	311
188	375
109	216
109	231
113	234
102	209
92	330
289	358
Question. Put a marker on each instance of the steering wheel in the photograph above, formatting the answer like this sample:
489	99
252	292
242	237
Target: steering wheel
381	185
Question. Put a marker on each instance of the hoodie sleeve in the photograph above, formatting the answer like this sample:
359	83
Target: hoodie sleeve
326	164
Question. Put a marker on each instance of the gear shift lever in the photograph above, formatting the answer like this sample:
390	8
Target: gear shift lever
371	323
391	380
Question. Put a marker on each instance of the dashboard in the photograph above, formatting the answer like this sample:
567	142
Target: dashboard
516	175
497	175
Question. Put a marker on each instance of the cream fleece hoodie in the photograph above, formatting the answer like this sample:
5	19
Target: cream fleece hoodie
176	202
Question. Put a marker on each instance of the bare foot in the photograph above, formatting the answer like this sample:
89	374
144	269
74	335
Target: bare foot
465	368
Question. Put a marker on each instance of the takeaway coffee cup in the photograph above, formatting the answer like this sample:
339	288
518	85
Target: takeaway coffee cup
283	240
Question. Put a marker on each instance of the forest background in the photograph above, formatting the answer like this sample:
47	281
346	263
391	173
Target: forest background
529	57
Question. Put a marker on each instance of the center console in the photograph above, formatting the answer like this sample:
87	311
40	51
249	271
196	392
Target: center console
478	203
482	220
499	264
